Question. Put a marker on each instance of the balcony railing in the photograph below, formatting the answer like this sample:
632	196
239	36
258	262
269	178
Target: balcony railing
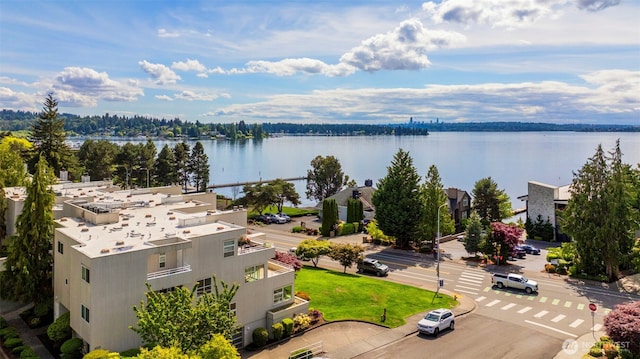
278	268
168	272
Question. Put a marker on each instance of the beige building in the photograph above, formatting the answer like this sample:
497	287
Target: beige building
109	244
545	200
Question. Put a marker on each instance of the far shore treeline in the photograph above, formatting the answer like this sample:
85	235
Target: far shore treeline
122	126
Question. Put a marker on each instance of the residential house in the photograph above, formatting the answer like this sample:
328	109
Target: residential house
544	201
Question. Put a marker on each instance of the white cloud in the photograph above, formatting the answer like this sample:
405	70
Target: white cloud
507	14
164	97
288	67
13	100
404	48
81	86
160	73
165	33
189	65
193	96
545	101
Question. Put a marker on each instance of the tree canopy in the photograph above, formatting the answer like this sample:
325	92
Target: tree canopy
399	207
599	215
28	276
433	198
491	204
346	254
313	249
325	178
199	167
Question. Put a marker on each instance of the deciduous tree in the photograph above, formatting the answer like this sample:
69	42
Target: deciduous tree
325	178
284	191
398	203
491	204
313	249
622	325
503	239
172	318
346	254
27	276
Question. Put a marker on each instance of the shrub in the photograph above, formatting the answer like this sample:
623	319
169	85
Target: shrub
42	309
595	352
550	268
8	332
347	228
60	329
302	321
17	350
610	350
3	323
301	354
297	229
287	323
260	337
28	353
71	349
102	354
278	331
626	353
12	343
621	325
130	353
605	339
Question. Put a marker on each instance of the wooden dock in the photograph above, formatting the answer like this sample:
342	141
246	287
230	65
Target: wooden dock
241	184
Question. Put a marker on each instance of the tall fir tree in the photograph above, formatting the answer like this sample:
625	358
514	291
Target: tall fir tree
164	170
48	137
28	275
435	197
398	202
329	215
181	154
199	167
491	204
599	215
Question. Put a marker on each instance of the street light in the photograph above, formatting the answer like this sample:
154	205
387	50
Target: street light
438	250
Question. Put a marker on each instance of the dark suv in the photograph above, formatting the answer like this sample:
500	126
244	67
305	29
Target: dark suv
373	266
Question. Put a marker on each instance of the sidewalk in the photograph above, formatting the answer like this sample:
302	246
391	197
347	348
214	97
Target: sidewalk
29	336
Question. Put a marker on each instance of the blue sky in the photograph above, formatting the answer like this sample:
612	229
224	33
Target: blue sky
556	61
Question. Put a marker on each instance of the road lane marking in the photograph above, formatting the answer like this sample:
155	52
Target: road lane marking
551	328
541	314
470	281
486	289
519	296
472	276
491	304
462	286
543	299
480	299
580	306
508	306
555	301
558	318
465	291
567	304
596	327
524	310
507	294
531	298
576	323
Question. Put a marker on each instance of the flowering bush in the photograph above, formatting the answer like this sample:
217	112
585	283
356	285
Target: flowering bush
289	259
302	321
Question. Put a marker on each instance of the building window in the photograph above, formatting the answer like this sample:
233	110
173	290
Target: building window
204	286
60	247
281	294
233	309
465	202
229	248
86	274
85	313
253	273
163	260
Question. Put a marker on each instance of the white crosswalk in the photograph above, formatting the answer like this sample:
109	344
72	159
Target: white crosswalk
470	282
549	319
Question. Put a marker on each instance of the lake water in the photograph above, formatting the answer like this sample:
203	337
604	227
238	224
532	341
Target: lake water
462	158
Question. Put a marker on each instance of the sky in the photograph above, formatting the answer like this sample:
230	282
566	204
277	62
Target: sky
368	62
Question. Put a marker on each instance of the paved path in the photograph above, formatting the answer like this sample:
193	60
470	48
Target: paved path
29	336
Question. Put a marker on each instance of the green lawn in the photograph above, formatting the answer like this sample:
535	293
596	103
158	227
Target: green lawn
342	296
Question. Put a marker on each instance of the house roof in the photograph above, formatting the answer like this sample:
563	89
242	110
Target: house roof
342	197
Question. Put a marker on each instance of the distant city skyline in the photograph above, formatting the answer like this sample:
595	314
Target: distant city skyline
373	62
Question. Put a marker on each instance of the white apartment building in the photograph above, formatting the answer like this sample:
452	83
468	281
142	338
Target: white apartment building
110	244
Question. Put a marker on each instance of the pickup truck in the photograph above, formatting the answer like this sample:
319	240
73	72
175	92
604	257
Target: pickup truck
516	281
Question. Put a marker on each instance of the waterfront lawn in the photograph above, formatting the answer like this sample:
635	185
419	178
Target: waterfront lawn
289	211
341	296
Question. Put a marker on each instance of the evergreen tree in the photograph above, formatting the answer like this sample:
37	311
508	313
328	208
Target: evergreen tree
48	138
329	215
199	167
354	210
27	276
599	214
473	235
325	178
98	158
164	170
491	204
399	207
434	198
284	191
181	165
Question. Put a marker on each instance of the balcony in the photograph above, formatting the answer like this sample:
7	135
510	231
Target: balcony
276	268
169	272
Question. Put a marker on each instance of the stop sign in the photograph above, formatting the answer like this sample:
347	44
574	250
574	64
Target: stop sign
592	307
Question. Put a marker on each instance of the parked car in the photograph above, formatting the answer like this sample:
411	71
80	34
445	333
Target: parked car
373	266
264	218
530	249
517	281
519	252
436	321
276	219
286	217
